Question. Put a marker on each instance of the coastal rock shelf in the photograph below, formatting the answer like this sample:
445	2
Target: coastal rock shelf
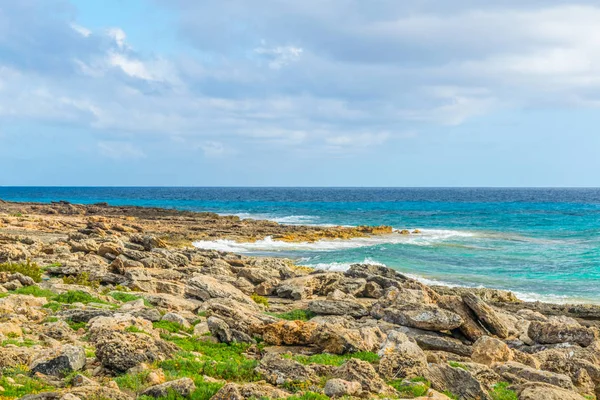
103	302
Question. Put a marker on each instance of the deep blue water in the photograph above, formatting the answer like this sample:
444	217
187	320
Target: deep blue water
541	243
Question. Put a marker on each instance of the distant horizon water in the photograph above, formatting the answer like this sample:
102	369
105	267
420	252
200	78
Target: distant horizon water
541	243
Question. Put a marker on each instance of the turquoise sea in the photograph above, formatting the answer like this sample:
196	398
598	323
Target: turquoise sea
544	244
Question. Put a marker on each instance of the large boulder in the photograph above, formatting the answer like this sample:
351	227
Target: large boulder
339	388
306	286
360	371
59	361
556	332
279	371
291	333
516	372
339	339
427	317
470	328
401	357
206	287
234	391
458	381
338	307
488	350
487	315
544	391
437	342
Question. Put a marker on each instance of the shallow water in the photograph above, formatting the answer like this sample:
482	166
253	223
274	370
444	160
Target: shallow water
541	243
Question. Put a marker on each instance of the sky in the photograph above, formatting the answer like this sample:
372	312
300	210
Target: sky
299	93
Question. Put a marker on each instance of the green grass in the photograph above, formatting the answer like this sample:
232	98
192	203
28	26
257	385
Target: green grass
502	392
133	382
35	291
172	327
21	343
412	388
76	325
127	297
135	329
217	360
23	384
295	315
450	394
455	364
54	306
51	319
26	268
334	359
77	296
260	300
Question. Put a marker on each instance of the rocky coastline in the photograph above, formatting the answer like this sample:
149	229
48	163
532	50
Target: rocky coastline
101	302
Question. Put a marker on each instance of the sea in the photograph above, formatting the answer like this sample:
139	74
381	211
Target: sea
541	243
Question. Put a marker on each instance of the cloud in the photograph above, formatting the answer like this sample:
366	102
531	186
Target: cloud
280	56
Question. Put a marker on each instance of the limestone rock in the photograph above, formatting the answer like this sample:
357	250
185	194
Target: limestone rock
355	370
513	369
339	388
486	314
206	287
338	307
457	381
425	317
488	350
539	391
59	361
554	332
278	370
183	387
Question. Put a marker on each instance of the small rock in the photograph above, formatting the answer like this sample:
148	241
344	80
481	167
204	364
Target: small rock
184	387
339	387
488	350
61	361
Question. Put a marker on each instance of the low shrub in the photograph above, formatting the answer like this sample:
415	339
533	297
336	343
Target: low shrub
295	315
260	300
26	268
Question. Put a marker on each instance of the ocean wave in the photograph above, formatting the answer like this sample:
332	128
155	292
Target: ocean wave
427	237
287	220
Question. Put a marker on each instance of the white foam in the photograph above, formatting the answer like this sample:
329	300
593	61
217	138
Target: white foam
427	237
287	220
341	266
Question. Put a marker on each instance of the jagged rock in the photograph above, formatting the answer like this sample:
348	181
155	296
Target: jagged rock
401	358
85	246
441	343
373	290
278	370
176	318
486	314
201	329
246	318
305	286
338	307
339	388
12	356
59	361
290	333
337	339
457	381
355	370
183	387
554	332
219	329
513	372
110	248
206	287
470	328
93	392
121	351
170	302
542	391
425	317
10	329
488	350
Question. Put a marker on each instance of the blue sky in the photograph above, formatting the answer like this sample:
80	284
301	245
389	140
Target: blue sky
310	93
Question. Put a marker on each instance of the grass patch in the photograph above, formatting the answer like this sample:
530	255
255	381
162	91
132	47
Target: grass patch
35	291
133	382
455	364
127	297
77	296
172	327
502	392
76	325
21	343
450	394
412	388
334	359
51	319
217	360
82	279
295	315
54	306
135	329
260	300
27	268
204	391
23	384
309	396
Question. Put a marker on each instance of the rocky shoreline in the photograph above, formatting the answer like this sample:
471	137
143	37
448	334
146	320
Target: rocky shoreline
101	302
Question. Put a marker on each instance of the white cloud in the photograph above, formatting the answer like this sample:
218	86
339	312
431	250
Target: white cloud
119	36
81	30
214	149
279	56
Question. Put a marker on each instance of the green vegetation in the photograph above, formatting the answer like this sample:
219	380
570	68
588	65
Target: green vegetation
34	291
309	396
21	343
77	296
76	325
54	306
295	315
172	327
502	392
132	382
27	268
455	364
415	387
334	359
135	329
127	297
23	384
51	319
450	394
82	279
260	300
